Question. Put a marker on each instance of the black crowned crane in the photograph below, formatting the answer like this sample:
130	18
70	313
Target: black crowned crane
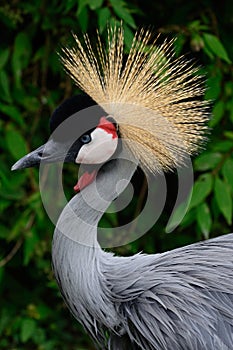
150	108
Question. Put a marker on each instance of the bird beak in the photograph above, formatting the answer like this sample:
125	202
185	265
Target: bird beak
30	160
50	152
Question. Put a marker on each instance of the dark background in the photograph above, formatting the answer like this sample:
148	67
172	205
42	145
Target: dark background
32	84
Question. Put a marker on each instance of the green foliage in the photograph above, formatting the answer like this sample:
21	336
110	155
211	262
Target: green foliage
201	189
32	83
213	47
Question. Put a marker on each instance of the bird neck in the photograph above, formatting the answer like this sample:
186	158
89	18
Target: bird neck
78	260
80	217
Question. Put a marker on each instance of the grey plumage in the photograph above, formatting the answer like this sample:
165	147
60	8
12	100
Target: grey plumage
178	300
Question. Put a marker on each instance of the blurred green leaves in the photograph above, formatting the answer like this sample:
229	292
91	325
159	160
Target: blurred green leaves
121	10
207	161
213	47
28	327
211	203
201	189
21	56
223	199
227	172
15	143
204	219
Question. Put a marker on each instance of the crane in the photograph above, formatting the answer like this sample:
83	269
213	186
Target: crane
148	107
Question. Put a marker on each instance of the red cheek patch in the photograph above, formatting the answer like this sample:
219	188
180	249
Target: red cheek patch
107	126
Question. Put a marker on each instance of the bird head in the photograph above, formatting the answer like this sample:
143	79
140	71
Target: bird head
89	137
154	98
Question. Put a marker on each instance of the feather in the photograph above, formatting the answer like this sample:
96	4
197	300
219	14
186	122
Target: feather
154	97
180	299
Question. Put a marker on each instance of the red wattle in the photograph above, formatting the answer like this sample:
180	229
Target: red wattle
85	180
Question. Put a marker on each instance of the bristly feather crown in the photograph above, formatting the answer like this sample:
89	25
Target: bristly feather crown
156	99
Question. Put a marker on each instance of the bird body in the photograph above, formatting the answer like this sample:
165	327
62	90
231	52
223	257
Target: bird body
147	302
182	299
149	111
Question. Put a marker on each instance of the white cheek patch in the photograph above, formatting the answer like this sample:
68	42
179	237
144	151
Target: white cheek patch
99	150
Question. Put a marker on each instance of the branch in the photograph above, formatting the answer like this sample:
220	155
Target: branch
14	250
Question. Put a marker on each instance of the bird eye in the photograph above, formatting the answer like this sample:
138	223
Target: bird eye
86	138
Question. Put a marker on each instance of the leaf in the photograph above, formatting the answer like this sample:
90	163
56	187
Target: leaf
4	231
224	199
69	4
223	146
4	55
30	103
218	112
128	36
5	317
201	189
12	195
43	311
197	26
95	4
179	43
231	114
229	134
28	327
22	48
214	87
227	171
81	5
3	205
196	42
207	161
178	215
16	144
21	56
12	112
51	344
188	219
103	16
228	91
29	245
204	219
83	18
5	86
214	44
122	12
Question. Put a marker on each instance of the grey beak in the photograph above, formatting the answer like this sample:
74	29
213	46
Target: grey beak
50	152
30	160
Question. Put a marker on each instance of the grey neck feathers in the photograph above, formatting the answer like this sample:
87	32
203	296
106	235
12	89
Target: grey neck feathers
80	217
78	261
